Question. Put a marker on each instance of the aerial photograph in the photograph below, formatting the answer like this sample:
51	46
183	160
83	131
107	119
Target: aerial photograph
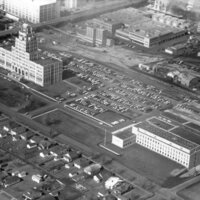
99	99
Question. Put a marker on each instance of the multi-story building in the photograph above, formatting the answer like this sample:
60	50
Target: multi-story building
180	144
35	11
124	139
23	59
71	4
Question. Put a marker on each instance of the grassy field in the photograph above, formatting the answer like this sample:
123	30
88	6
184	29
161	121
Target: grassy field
33	104
72	127
11	94
57	89
144	162
191	193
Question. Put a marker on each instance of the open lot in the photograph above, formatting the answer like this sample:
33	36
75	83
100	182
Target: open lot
72	127
191	193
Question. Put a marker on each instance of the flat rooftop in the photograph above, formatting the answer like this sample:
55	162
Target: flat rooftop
139	22
125	134
176	137
45	60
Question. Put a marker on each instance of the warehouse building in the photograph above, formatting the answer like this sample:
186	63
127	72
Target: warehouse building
178	143
25	60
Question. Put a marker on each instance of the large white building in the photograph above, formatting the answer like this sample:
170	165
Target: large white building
178	143
24	59
34	11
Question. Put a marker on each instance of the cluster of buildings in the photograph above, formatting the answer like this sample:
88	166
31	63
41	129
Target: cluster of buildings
136	26
25	60
166	135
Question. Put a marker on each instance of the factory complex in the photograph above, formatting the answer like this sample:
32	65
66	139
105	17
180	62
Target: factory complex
167	134
148	29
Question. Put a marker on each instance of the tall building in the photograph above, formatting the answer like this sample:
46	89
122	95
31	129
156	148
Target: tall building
35	11
71	4
25	60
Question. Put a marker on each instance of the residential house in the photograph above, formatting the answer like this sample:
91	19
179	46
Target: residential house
81	163
122	187
92	169
36	139
71	156
38	178
17	130
27	135
32	195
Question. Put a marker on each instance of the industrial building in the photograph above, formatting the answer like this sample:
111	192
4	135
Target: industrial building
97	36
25	60
174	141
35	11
124	139
148	30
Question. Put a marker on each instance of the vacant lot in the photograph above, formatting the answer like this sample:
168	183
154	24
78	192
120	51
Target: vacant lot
72	127
191	193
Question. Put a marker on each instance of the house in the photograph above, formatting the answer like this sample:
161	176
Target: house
69	165
17	130
38	178
31	145
32	195
10	125
36	139
73	172
71	155
98	178
3	133
122	187
22	174
11	180
102	176
27	135
45	153
57	150
45	144
111	182
92	169
81	163
79	177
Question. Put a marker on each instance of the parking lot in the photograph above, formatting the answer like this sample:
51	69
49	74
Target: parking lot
112	92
